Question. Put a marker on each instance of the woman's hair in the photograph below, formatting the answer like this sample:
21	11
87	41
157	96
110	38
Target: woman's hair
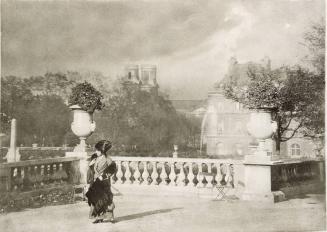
103	146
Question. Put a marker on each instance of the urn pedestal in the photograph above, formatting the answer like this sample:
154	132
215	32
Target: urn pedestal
257	166
82	126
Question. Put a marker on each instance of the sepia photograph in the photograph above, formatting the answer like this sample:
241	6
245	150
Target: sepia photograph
162	115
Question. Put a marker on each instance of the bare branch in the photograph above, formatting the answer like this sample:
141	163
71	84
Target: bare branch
284	128
284	139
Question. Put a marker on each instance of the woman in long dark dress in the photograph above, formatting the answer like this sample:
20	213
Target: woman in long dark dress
99	194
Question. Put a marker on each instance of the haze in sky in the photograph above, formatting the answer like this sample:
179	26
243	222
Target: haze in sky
190	41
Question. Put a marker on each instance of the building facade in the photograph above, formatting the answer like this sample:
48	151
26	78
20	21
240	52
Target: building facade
144	75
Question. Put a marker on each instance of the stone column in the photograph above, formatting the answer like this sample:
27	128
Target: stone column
13	152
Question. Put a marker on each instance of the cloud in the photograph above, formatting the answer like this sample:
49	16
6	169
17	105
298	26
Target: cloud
190	41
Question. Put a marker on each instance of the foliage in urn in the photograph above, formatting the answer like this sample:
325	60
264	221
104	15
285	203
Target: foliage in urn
87	97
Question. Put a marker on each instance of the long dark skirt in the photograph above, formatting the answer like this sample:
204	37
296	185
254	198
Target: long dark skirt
100	196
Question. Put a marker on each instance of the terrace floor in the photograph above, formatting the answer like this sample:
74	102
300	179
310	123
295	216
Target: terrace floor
176	214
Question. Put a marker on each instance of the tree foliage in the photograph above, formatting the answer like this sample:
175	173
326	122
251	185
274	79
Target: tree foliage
143	120
40	118
133	118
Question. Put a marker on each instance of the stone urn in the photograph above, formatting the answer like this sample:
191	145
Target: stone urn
82	126
261	127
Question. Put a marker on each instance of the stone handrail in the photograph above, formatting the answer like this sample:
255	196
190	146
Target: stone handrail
34	174
175	171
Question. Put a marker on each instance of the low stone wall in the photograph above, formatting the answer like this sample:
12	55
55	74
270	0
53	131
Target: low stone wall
16	201
293	178
36	183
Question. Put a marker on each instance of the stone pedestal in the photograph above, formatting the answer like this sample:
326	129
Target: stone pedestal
257	182
83	165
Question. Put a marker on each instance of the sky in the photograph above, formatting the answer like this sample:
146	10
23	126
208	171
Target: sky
191	42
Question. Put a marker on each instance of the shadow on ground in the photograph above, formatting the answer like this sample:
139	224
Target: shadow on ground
140	215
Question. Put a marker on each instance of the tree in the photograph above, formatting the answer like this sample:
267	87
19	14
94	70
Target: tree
50	117
15	98
284	90
41	118
143	119
314	115
314	40
295	94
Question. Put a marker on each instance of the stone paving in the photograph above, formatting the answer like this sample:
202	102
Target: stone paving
176	214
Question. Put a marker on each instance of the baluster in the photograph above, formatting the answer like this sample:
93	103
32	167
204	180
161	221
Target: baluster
209	177
119	173
15	178
164	174
172	174
19	178
36	177
22	175
42	175
190	175
228	175
231	177
154	174
128	173
200	176
137	173
218	176
145	174
223	172
160	177
47	179
181	176
28	175
54	174
62	173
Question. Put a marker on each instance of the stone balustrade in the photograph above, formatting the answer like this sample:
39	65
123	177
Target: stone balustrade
37	174
295	173
173	172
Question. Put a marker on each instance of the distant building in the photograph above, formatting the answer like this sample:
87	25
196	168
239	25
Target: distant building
144	75
224	123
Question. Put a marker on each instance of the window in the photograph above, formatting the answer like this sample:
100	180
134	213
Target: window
295	149
129	75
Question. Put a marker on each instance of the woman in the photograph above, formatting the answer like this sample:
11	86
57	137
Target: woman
99	195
